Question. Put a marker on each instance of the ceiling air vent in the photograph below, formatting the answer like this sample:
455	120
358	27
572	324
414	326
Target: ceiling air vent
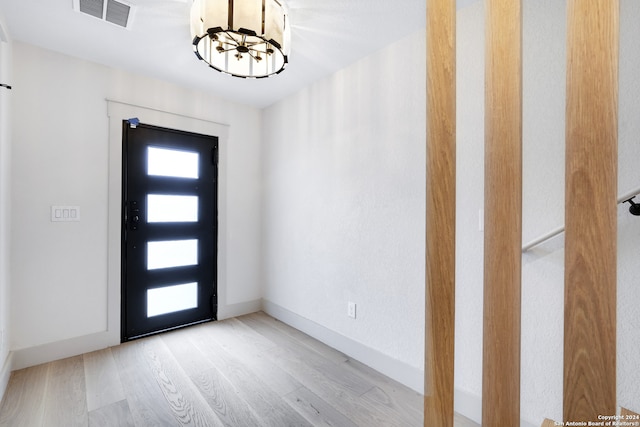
109	10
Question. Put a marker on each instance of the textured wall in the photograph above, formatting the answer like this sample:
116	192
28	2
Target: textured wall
628	225
5	195
469	199
60	156
343	204
544	76
344	198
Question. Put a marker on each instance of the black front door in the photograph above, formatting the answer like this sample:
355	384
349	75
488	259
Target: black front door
169	229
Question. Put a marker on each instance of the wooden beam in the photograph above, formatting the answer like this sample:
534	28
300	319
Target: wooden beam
440	218
591	234
503	213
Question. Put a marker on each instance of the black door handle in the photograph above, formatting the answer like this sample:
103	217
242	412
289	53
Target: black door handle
134	214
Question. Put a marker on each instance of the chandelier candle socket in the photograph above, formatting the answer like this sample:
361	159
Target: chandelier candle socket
244	38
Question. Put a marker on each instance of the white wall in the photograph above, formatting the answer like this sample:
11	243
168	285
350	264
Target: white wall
344	206
469	202
344	203
60	281
5	194
341	216
543	267
544	77
629	226
543	208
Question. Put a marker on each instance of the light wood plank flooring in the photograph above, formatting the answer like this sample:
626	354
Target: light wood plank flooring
249	371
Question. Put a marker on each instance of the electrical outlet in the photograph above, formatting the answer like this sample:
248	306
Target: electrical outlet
351	309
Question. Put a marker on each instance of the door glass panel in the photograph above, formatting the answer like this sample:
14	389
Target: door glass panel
165	208
172	253
174	163
171	299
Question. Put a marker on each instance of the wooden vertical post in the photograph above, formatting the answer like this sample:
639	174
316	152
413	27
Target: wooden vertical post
440	221
503	213
590	209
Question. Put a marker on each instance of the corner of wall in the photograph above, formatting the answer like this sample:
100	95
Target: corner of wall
240	309
6	357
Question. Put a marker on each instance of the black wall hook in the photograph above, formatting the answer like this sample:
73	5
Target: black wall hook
4	85
634	209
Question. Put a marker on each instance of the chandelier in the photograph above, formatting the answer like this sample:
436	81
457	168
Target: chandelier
244	38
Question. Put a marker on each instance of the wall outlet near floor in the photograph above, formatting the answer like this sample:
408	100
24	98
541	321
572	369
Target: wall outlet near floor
351	309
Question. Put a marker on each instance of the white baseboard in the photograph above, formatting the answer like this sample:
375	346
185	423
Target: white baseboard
395	369
468	404
5	374
32	356
45	353
240	309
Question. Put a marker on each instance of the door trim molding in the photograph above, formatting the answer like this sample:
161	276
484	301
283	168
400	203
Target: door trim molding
117	112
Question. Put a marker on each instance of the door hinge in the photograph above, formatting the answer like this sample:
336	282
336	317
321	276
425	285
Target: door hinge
213	301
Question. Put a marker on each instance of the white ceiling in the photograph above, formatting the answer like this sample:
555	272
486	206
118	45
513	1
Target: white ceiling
326	35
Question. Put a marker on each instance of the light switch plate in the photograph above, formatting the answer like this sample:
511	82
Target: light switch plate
65	213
